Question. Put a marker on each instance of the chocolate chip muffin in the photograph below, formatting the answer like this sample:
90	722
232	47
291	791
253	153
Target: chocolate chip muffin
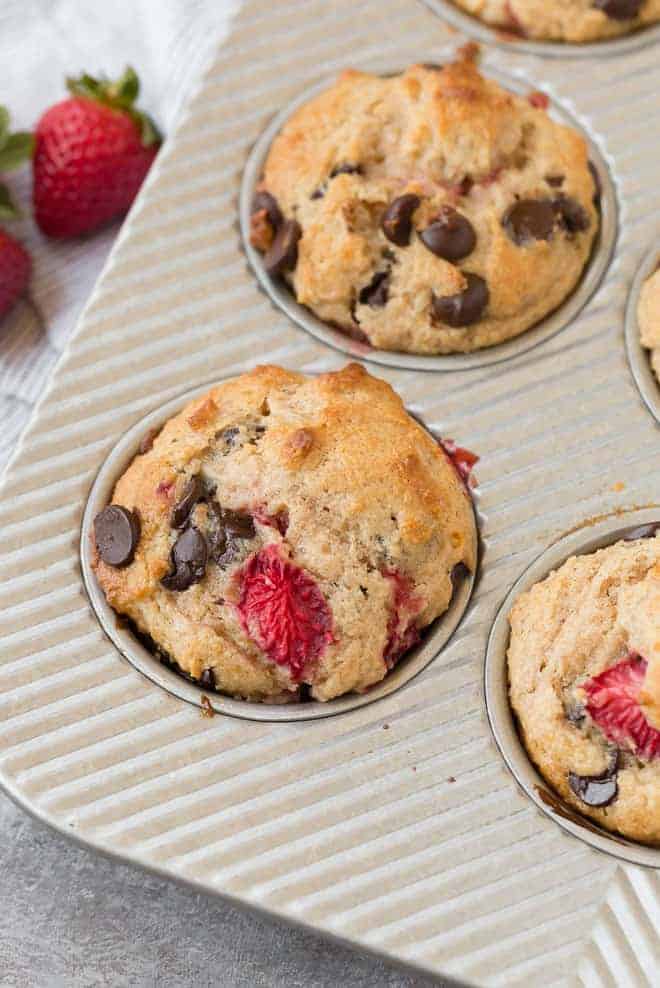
429	212
648	318
584	677
285	536
565	20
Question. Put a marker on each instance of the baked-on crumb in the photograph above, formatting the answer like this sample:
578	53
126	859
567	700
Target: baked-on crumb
429	212
584	680
295	535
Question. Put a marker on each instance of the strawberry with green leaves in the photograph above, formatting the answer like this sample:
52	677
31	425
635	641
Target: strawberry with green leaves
92	153
15	262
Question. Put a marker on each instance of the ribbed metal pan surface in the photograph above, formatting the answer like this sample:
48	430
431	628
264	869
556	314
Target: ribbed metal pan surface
412	841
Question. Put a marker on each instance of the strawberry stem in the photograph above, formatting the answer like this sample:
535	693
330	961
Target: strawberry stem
119	95
14	148
8	209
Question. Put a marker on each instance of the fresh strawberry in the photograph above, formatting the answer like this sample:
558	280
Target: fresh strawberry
282	609
402	632
92	153
15	267
613	704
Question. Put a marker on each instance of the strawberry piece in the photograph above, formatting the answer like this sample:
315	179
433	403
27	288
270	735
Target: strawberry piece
91	155
613	704
402	632
282	609
461	459
538	100
15	268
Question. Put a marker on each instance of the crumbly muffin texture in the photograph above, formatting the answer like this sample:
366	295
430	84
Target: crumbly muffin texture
584	679
428	212
285	535
648	319
565	20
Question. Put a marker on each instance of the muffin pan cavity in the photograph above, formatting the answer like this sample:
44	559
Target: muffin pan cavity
283	297
638	356
136	652
500	715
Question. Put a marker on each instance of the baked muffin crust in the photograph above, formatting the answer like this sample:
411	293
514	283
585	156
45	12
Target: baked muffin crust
565	20
292	531
584	681
429	212
648	319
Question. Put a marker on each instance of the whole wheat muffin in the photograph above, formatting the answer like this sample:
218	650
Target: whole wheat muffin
429	212
584	678
284	536
648	319
565	20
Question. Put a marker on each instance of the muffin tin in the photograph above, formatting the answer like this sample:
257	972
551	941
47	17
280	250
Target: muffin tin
280	293
433	641
396	826
638	356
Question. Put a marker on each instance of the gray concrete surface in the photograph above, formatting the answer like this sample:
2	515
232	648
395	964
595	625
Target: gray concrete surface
71	919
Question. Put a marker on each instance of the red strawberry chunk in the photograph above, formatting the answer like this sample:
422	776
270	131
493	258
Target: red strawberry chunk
461	459
402	632
613	704
538	100
282	609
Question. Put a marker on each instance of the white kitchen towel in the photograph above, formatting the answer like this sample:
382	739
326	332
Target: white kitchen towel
41	41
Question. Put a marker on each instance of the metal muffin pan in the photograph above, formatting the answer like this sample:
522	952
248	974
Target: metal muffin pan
639	356
283	297
434	638
496	689
487	35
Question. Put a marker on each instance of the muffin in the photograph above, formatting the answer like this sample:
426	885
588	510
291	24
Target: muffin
429	212
648	318
286	537
565	20
584	682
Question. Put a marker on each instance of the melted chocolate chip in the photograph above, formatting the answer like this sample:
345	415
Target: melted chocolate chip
450	236
465	307
192	493
237	523
117	533
228	437
264	200
529	219
376	293
619	10
597	182
597	790
346	169
282	255
187	559
556	181
207	679
643	532
226	529
571	215
397	219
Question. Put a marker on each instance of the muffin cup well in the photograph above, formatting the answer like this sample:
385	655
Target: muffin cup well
283	297
489	35
434	638
501	717
639	356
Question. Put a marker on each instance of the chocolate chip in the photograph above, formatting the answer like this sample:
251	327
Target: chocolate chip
207	679
555	180
571	215
226	529
397	219
642	532
597	182
450	236
237	523
267	202
465	307
192	493
282	255
318	193
619	10
529	219
376	293
187	559
117	533
597	790
346	169
228	437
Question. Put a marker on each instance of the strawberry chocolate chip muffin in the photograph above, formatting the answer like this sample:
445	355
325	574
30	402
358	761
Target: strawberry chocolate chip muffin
584	679
648	318
428	212
565	20
286	537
